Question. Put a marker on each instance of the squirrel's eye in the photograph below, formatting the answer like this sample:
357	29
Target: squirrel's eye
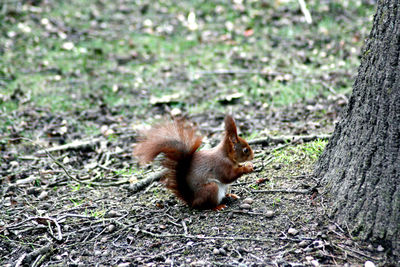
245	150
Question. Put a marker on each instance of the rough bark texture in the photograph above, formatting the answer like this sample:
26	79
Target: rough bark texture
360	168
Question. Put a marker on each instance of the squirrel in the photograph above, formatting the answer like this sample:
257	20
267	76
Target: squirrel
198	178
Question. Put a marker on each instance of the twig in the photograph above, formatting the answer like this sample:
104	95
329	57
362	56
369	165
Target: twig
59	236
289	191
59	233
64	216
288	138
73	145
353	252
248	212
43	250
184	227
28	180
133	188
39	260
82	181
20	260
305	11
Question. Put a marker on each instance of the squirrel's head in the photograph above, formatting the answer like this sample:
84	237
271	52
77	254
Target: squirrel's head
238	149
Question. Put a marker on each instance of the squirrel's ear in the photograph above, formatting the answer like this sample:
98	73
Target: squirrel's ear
230	128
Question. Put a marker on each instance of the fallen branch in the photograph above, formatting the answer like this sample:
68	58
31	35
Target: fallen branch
133	188
40	251
74	145
287	138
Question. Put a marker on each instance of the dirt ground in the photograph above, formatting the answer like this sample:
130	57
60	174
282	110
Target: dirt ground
48	219
78	79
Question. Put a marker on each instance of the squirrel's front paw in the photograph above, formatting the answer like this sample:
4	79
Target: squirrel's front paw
249	167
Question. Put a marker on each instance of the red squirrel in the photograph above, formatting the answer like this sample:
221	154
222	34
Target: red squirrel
199	178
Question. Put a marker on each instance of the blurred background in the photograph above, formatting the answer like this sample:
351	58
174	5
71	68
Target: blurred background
275	65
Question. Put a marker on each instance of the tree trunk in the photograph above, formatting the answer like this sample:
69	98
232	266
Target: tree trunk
360	168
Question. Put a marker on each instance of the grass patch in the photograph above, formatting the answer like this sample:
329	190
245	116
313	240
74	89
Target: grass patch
61	53
300	153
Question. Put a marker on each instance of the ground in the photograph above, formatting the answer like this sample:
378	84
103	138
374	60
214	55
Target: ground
79	79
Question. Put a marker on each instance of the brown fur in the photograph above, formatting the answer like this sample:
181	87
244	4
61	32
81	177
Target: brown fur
178	142
196	176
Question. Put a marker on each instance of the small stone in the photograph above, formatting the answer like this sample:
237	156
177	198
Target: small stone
113	214
269	214
68	46
303	244
245	206
309	258
58	257
215	251
66	160
370	247
110	228
222	251
298	251
97	252
380	248
292	231
248	201
315	263
124	264
369	264
43	195
168	261
176	112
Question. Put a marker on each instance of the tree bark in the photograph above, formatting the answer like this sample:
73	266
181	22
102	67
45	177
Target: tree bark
360	167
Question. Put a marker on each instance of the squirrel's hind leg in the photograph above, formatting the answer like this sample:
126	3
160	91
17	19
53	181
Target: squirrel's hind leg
206	197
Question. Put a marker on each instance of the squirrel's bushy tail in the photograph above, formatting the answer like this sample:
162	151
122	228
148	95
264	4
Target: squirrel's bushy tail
178	142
